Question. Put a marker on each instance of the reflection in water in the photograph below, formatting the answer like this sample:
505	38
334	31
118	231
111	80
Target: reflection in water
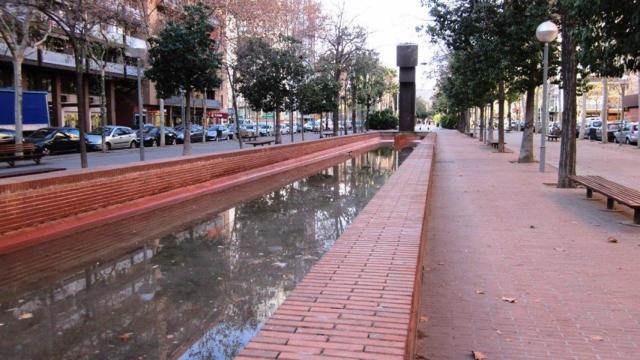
183	282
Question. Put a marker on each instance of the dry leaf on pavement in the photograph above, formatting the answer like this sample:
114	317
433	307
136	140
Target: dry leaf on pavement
597	338
424	318
477	355
25	316
509	299
479	292
125	336
611	239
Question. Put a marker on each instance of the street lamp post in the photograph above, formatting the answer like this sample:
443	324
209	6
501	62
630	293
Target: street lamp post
140	109
546	33
139	53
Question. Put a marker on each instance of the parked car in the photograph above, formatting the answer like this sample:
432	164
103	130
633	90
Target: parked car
265	130
232	131
248	130
284	129
612	128
7	136
309	126
197	132
55	140
115	137
217	132
152	136
593	124
627	134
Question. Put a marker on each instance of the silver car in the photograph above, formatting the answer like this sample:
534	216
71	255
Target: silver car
115	137
627	134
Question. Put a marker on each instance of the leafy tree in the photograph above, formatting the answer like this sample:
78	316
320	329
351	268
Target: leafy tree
182	57
316	94
269	77
383	120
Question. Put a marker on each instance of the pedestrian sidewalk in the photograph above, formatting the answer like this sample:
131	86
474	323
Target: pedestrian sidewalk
517	269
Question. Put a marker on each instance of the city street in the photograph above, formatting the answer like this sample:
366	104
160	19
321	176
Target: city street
124	156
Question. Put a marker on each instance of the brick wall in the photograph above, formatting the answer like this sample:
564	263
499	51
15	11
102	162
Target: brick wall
41	198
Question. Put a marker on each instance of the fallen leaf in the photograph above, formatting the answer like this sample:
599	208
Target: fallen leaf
480	292
25	316
499	332
597	338
559	249
424	318
532	227
509	299
280	264
125	336
477	355
611	239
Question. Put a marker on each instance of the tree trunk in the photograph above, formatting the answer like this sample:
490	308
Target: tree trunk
481	135
354	109
509	120
302	125
605	109
291	125
103	105
320	127
567	166
17	99
526	146
501	117
80	93
336	110
490	127
205	120
583	117
186	148
638	118
277	127
366	117
234	102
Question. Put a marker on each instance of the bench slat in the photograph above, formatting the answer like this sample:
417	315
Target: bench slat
620	193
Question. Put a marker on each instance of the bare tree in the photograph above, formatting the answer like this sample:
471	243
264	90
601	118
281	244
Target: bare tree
343	41
17	22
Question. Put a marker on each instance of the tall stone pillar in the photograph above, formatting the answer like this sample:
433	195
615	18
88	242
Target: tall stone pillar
407	60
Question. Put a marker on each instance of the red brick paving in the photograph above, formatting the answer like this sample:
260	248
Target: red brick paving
495	228
357	302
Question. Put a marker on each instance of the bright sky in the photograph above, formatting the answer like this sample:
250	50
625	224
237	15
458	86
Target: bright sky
391	22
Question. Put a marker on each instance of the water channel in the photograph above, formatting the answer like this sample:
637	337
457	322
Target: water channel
192	281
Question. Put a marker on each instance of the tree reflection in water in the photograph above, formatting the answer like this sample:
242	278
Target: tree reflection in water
181	287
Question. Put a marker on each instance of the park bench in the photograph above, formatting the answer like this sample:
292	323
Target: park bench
260	142
8	153
328	134
613	191
553	137
250	137
495	144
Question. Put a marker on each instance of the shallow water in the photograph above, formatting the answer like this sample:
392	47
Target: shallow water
193	281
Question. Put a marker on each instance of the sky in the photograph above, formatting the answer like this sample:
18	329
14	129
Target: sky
391	22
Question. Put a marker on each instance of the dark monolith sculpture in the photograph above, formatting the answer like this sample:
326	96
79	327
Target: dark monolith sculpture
407	59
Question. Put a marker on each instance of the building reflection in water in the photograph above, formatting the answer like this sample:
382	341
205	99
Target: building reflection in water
193	281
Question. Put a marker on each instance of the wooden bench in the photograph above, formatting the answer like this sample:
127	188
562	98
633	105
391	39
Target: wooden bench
328	134
613	191
553	137
260	142
495	144
8	153
250	137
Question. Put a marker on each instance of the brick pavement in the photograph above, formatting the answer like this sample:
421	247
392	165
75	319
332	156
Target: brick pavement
495	231
357	302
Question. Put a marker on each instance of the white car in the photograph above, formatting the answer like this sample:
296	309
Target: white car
284	129
115	137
